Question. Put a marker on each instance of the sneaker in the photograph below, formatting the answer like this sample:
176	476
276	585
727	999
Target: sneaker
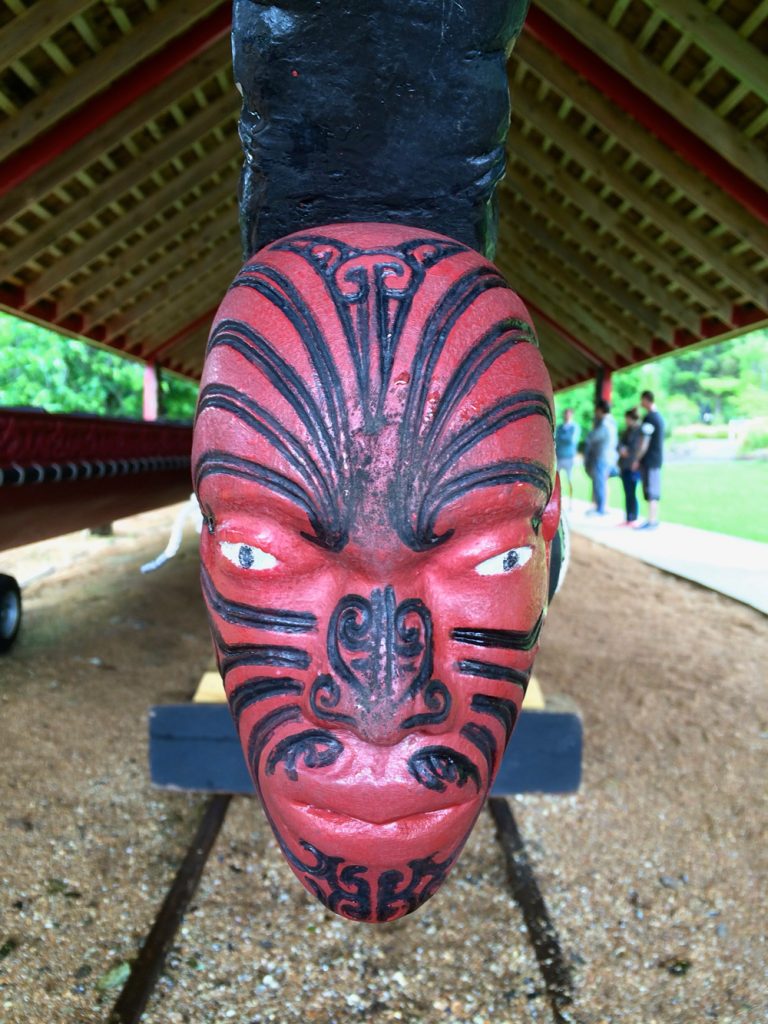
649	526
627	522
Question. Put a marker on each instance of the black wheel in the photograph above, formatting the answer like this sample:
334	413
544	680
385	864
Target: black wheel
10	612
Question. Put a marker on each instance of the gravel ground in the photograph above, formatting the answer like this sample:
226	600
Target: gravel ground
654	873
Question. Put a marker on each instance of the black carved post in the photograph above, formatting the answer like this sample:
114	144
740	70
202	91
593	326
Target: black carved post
373	110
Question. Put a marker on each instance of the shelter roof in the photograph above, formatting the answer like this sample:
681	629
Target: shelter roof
633	212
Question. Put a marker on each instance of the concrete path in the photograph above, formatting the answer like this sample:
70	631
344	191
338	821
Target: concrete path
730	565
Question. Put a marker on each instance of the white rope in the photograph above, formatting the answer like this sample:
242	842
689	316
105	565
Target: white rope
190	508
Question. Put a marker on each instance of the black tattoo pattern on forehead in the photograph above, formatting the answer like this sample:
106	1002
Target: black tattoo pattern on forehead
327	469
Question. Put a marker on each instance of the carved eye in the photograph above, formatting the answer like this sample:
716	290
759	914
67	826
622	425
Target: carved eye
515	558
247	556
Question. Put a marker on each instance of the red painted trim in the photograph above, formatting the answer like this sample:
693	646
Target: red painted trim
119	95
711	327
659	347
44	311
653	117
604	382
743	316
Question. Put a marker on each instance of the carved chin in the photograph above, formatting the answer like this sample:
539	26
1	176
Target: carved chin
376	867
369	871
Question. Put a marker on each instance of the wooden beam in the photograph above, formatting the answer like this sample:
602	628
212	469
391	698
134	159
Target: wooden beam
100	71
178	320
173	323
564	359
514	214
614	334
166	350
125	179
542	117
210	243
699	189
604	247
189	297
575	319
715	36
148	965
194	273
688	119
564	363
176	336
190	349
110	133
194	177
534	252
34	25
617	223
543	320
134	255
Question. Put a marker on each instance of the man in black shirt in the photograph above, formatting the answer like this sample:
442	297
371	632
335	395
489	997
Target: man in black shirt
650	458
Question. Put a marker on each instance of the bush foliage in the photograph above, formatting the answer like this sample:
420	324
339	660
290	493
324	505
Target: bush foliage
711	384
42	369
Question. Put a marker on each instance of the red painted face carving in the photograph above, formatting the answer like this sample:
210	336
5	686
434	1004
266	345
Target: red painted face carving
373	455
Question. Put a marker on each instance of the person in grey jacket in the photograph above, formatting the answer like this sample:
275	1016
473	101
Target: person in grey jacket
600	454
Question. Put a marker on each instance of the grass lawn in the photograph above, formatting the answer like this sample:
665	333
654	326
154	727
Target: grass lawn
727	497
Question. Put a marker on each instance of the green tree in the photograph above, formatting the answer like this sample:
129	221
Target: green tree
45	370
728	379
178	397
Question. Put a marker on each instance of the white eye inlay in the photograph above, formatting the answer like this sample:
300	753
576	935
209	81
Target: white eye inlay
247	556
515	558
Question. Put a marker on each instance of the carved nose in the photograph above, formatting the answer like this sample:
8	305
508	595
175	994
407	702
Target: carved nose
378	723
380	658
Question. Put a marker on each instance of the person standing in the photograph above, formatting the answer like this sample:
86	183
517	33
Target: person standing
600	454
651	458
567	437
630	443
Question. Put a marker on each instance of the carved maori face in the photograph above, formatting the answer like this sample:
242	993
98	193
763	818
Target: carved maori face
373	456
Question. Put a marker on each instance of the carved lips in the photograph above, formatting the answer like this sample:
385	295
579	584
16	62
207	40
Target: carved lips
374	460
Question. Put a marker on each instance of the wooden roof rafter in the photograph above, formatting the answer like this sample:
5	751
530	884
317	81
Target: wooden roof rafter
612	220
595	162
607	250
122	55
103	194
110	132
136	257
196	174
578	265
708	201
206	262
604	317
633	211
690	121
